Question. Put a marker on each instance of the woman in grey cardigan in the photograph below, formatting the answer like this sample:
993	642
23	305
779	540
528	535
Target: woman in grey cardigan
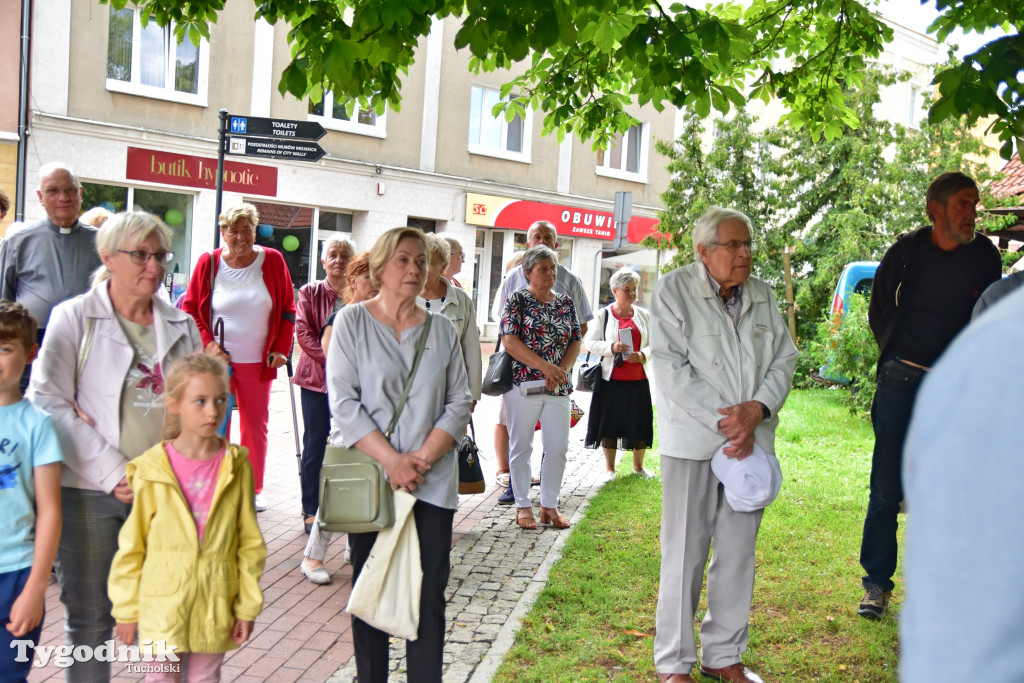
370	357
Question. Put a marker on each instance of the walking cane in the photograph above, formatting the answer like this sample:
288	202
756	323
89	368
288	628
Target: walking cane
295	420
225	426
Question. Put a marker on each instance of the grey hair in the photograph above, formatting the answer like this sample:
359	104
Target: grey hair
453	244
535	255
337	241
47	169
438	246
622	277
127	228
705	231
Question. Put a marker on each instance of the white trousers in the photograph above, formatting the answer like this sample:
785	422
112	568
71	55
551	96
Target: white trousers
522	414
695	512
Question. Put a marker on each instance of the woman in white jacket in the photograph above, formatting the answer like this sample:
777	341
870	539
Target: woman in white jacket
621	415
99	375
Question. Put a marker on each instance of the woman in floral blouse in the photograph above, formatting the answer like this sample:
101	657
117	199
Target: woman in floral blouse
541	331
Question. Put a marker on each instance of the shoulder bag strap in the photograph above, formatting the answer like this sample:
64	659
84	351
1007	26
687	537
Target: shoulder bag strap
408	383
603	335
84	346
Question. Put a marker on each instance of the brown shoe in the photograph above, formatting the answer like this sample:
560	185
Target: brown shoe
734	673
674	678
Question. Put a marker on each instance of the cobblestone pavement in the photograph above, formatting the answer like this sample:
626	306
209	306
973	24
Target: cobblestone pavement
304	632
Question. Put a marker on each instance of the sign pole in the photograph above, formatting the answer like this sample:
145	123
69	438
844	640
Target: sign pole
222	141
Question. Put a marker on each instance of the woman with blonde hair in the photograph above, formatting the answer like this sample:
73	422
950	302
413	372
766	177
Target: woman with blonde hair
370	358
245	290
99	375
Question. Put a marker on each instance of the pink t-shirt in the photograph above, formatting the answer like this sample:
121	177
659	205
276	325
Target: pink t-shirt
198	479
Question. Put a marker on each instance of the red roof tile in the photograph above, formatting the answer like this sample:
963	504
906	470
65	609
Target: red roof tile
1013	179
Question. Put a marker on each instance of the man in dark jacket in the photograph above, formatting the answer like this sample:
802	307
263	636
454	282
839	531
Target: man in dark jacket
923	294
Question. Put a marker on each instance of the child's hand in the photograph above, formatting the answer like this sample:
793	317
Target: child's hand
126	633
27	611
241	631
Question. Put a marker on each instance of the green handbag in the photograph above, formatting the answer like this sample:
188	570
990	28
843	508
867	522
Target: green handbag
355	494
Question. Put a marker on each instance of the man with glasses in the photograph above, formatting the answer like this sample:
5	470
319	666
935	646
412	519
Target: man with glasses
52	260
724	363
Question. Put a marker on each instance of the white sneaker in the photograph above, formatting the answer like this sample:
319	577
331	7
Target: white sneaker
260	502
643	473
607	477
320	576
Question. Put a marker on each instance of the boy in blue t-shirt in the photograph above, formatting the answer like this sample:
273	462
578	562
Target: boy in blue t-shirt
30	458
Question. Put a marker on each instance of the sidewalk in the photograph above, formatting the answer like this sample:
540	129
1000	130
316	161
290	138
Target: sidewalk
304	632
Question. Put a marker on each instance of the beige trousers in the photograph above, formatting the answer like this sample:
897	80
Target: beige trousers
695	513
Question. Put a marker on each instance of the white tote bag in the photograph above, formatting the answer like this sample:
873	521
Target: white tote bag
387	592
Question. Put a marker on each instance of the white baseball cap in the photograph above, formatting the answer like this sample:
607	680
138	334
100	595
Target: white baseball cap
751	483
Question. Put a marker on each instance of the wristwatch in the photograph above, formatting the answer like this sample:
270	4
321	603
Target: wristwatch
765	413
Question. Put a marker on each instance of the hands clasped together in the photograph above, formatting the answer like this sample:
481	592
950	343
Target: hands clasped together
738	426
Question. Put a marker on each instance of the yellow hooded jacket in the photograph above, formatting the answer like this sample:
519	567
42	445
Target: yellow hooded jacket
179	591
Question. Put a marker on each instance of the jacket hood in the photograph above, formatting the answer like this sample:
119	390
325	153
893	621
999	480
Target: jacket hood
154	465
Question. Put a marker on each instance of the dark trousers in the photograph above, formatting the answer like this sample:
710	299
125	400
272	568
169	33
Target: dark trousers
11	585
890	417
423	655
316	418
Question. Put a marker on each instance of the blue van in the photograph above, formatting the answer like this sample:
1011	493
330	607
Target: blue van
856	278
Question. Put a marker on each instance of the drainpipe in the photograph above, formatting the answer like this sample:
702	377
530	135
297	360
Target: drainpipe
19	186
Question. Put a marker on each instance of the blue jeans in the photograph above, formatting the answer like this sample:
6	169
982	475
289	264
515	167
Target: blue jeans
11	585
316	418
890	416
88	541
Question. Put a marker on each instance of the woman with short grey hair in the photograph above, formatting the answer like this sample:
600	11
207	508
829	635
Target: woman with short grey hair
621	415
541	331
99	375
456	258
317	300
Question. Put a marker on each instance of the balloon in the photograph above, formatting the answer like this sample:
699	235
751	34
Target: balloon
290	243
174	217
265	230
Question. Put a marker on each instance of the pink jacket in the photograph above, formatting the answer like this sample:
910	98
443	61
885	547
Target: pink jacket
316	301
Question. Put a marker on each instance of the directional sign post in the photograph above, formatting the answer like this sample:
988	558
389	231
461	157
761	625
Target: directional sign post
255	126
293	150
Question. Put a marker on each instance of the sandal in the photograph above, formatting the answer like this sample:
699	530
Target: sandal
551	516
501	478
524	518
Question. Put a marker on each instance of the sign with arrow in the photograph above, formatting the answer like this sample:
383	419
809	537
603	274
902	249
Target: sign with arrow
276	128
275	149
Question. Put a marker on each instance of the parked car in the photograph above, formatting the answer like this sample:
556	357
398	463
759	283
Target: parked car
856	278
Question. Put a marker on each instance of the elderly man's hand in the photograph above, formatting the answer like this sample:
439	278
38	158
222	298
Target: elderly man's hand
740	420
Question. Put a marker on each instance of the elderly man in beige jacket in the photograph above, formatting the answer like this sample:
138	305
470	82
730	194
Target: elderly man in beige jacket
724	362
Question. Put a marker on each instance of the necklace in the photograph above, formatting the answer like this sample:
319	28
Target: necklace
427	302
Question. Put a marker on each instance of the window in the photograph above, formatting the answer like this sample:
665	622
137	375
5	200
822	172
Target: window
916	112
494	136
148	61
627	156
334	114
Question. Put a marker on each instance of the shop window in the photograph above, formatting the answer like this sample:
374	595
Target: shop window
495	136
149	61
289	230
626	157
333	113
564	249
174	208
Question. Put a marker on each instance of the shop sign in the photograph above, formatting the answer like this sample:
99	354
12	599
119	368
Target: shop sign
171	168
570	221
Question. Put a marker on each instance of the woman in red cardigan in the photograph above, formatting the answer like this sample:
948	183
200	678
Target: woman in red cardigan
248	288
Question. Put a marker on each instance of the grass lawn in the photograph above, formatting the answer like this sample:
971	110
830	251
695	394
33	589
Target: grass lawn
595	619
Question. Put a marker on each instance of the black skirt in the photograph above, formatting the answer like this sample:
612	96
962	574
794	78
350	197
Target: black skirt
621	410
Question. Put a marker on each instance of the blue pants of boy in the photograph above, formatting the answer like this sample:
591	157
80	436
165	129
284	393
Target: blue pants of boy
11	585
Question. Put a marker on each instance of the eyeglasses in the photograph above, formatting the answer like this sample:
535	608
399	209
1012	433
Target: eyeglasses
61	191
140	257
459	255
732	246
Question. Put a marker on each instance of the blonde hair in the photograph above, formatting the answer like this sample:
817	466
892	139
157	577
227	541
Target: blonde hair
229	216
123	229
387	245
516	259
96	216
177	378
437	246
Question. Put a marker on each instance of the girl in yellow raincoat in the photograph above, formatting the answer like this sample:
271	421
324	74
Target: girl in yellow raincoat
190	555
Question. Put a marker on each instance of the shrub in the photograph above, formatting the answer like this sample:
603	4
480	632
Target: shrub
850	350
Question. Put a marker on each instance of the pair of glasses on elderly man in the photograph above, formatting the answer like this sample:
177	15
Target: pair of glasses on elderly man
732	246
140	257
